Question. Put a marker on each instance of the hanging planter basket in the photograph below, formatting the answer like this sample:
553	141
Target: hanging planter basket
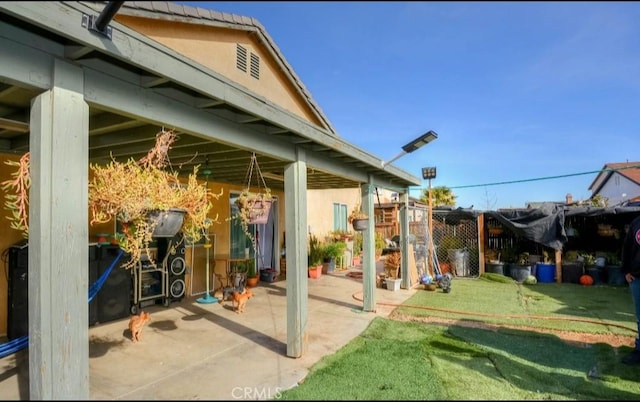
360	224
255	207
167	223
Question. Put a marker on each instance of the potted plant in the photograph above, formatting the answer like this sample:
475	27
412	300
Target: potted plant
392	270
139	195
613	270
591	268
392	265
522	270
315	255
341	235
331	251
493	264
358	219
546	270
252	274
253	207
572	266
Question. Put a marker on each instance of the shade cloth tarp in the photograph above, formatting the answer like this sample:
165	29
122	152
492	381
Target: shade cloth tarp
544	225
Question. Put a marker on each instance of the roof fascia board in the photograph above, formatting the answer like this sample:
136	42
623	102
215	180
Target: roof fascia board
25	65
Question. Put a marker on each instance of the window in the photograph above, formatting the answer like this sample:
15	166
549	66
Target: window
238	240
339	216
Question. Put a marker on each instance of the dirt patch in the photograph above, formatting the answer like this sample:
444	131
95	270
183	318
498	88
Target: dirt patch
575	338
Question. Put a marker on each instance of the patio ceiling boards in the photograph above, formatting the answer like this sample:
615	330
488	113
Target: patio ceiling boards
135	87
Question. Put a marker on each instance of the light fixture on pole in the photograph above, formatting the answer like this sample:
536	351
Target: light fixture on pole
429	173
419	142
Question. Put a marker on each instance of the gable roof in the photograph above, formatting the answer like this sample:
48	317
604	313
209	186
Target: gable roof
166	10
630	170
135	86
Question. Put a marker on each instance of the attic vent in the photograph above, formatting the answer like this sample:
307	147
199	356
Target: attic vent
255	66
241	58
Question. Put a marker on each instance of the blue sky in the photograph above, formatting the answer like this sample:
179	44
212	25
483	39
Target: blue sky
516	91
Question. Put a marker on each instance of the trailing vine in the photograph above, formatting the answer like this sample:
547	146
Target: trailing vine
253	206
127	192
17	194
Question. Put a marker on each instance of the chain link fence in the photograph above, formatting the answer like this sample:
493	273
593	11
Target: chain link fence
455	242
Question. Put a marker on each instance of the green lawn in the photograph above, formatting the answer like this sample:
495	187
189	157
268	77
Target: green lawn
411	360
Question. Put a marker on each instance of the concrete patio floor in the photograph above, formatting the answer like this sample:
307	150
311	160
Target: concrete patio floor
208	351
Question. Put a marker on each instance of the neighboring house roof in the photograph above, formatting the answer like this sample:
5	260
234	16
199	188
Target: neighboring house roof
195	15
630	170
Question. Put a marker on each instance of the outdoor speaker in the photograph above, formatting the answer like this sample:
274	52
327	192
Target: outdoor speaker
114	297
173	257
18	291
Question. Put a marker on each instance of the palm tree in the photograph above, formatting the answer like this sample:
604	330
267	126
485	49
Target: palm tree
440	196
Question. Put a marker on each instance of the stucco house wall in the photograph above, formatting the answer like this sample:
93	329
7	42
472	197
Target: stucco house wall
216	48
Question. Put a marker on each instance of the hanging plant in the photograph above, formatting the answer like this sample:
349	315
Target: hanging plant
16	192
138	194
253	206
358	219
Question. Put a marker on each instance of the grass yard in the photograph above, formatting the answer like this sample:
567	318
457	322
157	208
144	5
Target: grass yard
409	359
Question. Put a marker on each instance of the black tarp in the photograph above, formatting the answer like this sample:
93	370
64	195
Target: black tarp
544	225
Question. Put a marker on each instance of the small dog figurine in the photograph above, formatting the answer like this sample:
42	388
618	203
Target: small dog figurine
135	325
241	299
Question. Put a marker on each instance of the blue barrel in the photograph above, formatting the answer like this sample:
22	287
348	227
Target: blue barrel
545	273
615	275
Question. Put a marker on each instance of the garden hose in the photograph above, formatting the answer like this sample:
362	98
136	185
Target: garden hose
537	317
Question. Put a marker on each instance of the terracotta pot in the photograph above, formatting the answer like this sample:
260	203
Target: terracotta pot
252	282
315	272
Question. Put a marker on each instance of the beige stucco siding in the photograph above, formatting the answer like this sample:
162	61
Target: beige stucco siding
216	47
320	208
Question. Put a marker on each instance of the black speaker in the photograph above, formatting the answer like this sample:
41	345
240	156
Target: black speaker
172	251
114	298
18	292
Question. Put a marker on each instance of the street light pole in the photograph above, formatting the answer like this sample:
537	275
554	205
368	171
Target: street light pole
430	173
412	146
